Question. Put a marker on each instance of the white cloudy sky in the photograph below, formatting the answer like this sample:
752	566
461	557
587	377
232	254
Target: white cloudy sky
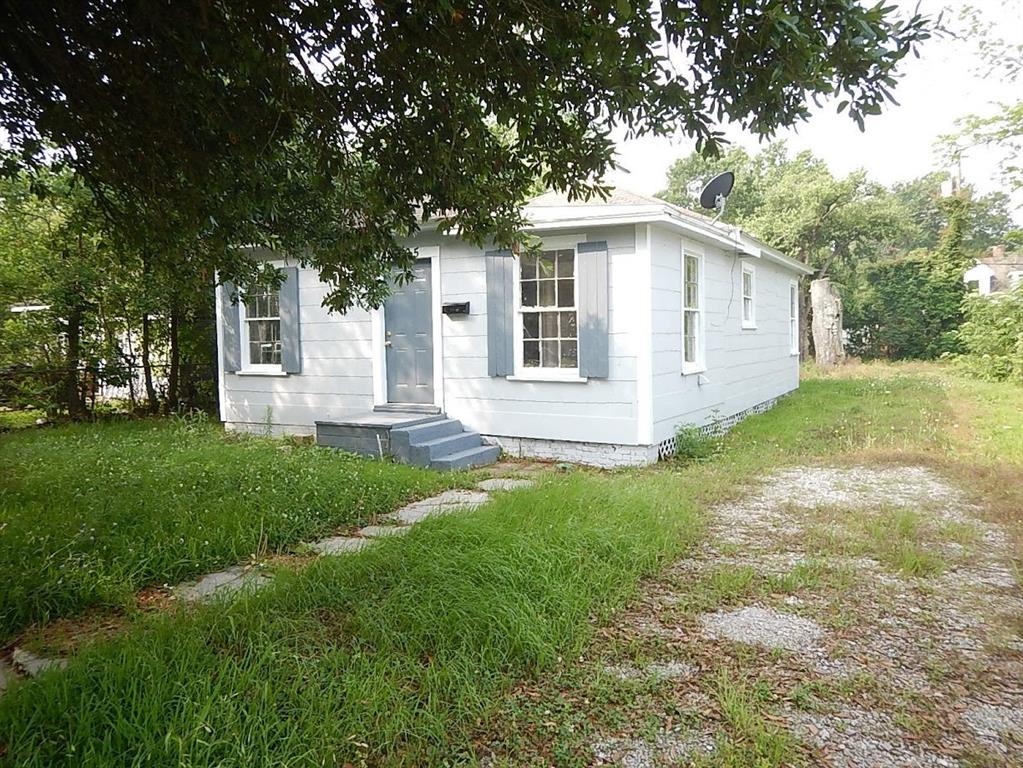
934	90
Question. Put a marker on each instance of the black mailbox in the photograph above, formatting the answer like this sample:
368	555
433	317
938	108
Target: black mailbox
456	308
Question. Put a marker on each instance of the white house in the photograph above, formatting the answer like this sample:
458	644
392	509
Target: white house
636	317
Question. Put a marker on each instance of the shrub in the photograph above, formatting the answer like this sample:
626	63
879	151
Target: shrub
692	444
992	337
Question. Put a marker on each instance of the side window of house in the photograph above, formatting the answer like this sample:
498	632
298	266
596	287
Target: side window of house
547	309
692	313
749	289
262	328
793	319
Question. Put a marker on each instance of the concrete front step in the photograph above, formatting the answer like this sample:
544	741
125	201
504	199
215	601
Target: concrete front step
473	457
424	454
404	437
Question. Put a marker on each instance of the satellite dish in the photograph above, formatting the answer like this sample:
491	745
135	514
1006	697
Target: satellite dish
716	191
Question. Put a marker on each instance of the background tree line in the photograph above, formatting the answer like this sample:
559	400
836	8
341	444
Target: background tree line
83	314
897	254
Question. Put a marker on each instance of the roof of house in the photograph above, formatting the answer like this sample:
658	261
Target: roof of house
621	206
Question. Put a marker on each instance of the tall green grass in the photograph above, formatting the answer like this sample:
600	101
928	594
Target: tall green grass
89	513
393	653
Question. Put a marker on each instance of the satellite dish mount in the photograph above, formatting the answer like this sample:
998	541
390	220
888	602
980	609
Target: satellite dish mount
716	192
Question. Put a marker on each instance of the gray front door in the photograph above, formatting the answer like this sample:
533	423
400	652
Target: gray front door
408	334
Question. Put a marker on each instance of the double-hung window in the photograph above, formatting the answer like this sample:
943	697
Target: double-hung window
261	328
547	310
793	318
692	313
749	294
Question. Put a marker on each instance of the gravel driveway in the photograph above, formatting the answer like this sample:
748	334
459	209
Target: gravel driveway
842	616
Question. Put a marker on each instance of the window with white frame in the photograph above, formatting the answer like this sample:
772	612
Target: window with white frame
793	318
692	313
547	311
261	324
749	293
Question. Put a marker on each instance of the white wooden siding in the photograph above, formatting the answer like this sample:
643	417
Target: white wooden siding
743	367
601	410
337	371
642	401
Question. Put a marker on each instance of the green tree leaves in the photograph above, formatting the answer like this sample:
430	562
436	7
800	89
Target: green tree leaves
333	130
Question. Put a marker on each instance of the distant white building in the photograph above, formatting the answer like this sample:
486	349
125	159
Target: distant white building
634	318
998	271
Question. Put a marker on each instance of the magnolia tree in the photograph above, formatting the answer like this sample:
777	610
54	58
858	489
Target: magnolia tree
332	130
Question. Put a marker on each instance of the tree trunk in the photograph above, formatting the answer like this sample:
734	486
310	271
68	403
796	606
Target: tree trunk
147	364
72	392
805	338
827	323
173	369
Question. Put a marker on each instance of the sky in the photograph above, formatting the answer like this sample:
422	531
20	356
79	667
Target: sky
898	145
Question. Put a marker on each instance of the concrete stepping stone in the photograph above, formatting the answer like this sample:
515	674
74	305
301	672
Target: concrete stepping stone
7	675
759	626
504	484
378	531
227	581
338	545
33	665
444	503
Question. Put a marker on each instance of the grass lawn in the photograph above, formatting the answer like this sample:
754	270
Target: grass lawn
402	654
90	513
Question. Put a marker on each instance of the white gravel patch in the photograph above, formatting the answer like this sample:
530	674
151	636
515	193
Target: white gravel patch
856	738
657	670
668	748
993	723
761	626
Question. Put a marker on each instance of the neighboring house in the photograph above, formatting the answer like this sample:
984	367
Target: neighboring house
635	318
996	272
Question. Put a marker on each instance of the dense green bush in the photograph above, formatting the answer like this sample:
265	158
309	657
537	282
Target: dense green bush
992	336
906	308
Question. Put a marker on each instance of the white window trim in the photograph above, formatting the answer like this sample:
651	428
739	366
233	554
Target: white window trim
793	318
247	367
700	365
751	324
571	375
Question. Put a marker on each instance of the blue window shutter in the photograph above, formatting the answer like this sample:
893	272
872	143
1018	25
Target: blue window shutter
592	298
500	313
232	351
291	339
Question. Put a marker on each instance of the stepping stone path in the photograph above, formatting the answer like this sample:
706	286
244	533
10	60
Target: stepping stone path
229	580
504	484
7	674
239	577
376	531
235	578
32	665
338	545
449	501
